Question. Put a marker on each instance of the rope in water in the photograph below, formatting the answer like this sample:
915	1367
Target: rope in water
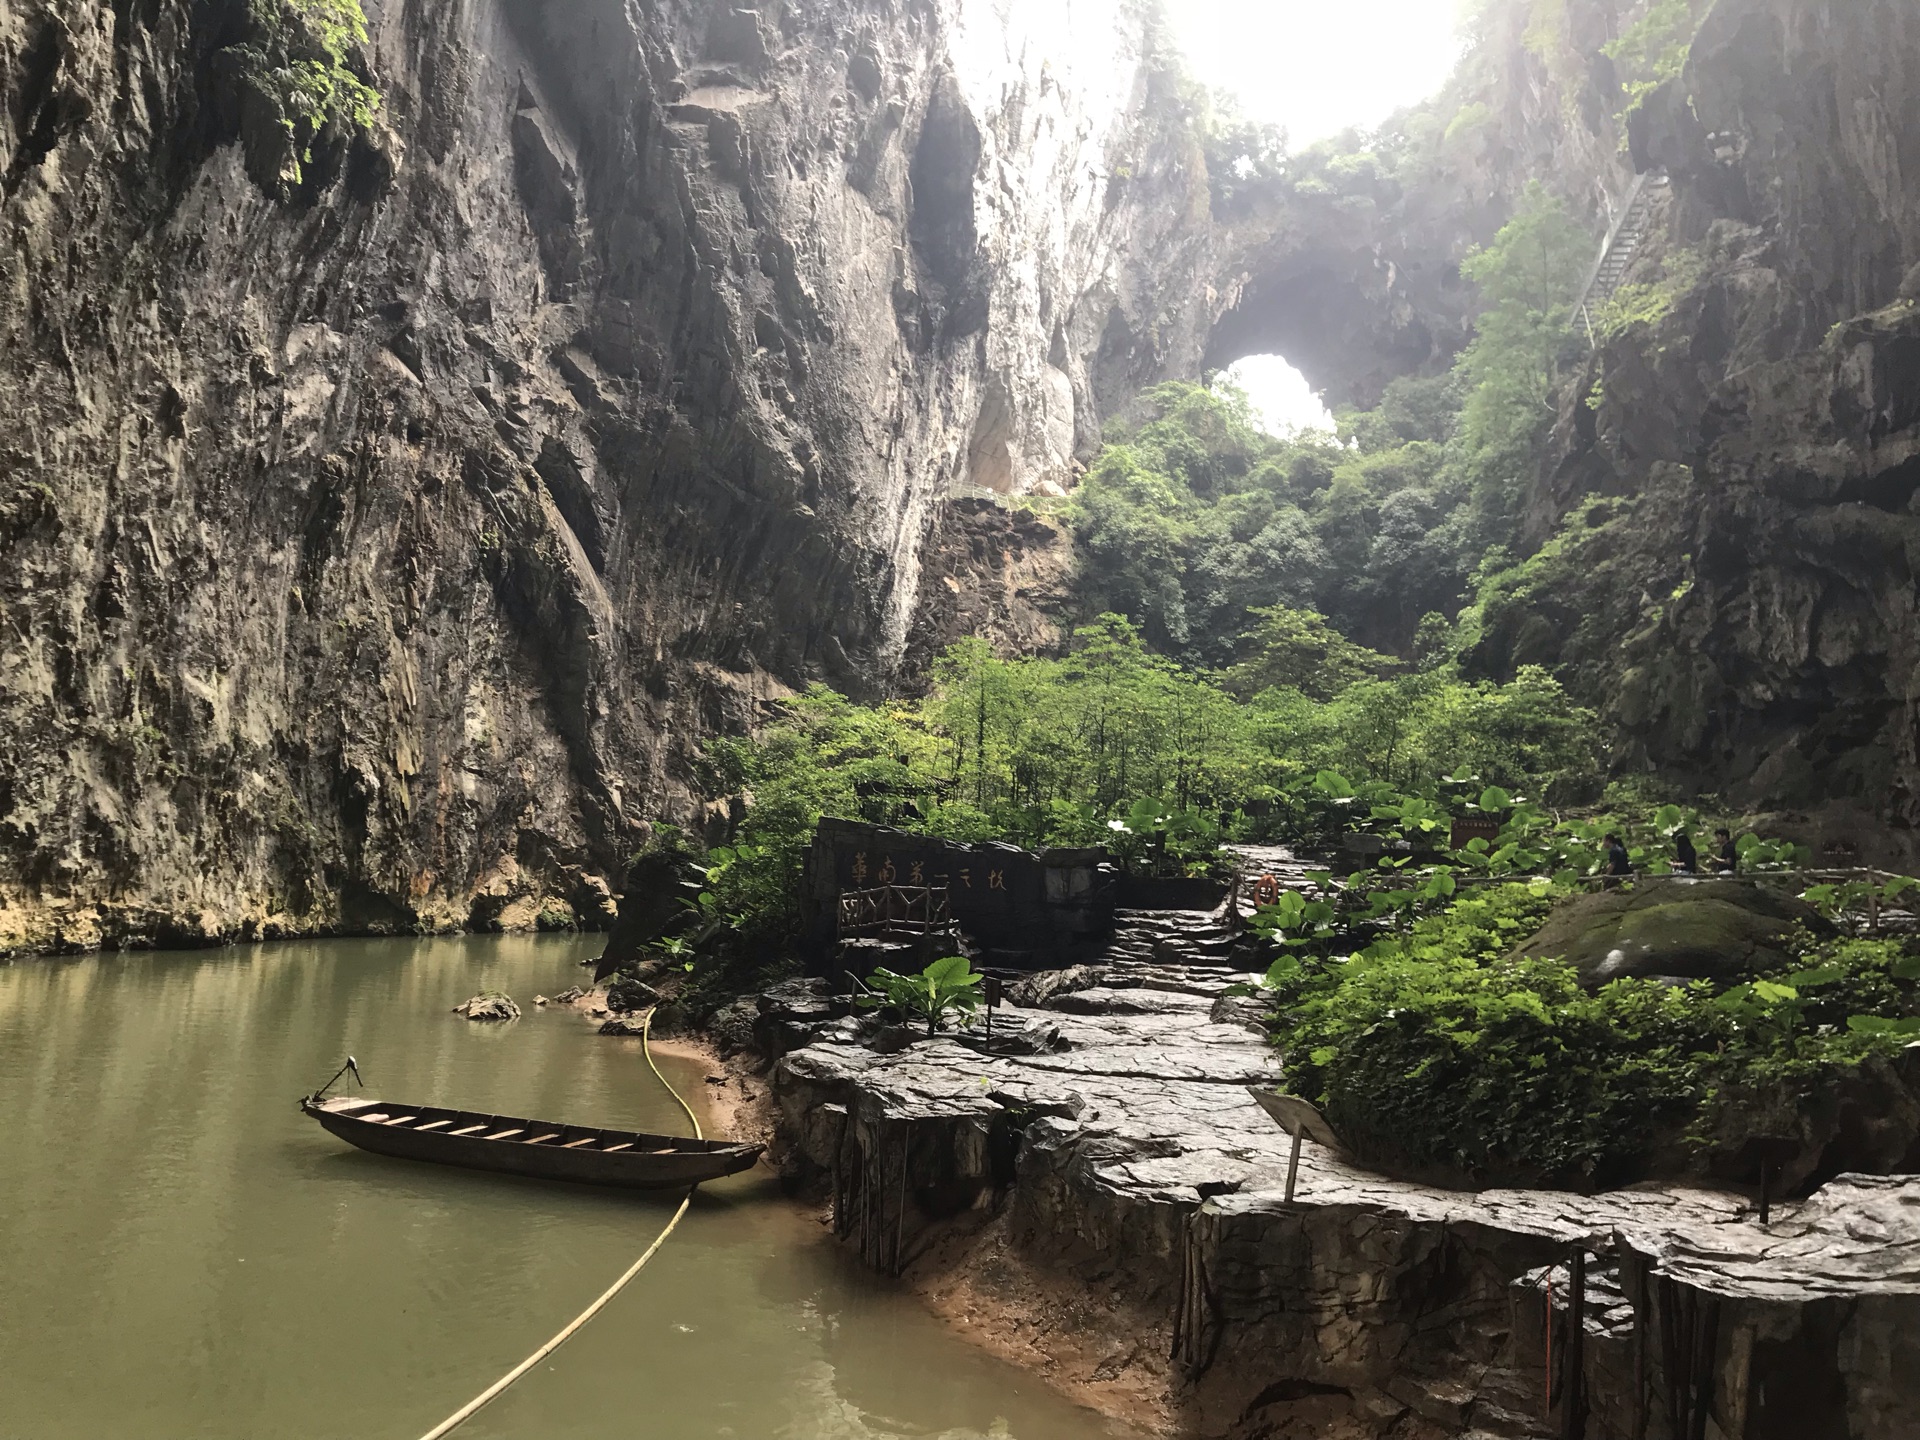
474	1406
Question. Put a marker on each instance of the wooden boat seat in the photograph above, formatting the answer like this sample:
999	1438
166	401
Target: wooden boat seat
541	1139
575	1144
403	1119
376	1117
468	1131
623	1145
505	1134
433	1124
664	1150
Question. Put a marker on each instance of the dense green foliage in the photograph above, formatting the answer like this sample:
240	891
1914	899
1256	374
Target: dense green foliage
298	56
1194	522
1115	745
1436	1049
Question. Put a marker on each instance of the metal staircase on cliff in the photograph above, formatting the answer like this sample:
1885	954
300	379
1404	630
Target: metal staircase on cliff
1621	245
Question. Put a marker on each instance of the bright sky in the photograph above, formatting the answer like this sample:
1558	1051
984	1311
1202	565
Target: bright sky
1314	68
1282	400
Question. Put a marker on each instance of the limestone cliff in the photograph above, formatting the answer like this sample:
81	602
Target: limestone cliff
379	544
1742	603
383	528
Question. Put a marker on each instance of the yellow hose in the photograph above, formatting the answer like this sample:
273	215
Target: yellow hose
479	1402
646	1027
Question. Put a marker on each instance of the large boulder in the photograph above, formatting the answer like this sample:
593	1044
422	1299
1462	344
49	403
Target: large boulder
1674	929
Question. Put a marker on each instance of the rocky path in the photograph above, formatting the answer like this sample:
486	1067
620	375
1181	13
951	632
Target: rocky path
1120	1170
1179	937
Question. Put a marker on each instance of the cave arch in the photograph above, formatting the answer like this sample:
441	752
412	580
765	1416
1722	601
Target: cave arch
1350	316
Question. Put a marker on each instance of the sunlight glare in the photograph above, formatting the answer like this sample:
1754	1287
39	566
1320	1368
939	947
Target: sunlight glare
1283	403
1317	69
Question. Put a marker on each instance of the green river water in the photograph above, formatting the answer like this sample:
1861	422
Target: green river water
183	1256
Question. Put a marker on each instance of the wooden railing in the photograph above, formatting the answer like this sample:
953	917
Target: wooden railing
904	909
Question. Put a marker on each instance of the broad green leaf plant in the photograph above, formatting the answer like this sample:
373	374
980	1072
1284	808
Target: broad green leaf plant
947	989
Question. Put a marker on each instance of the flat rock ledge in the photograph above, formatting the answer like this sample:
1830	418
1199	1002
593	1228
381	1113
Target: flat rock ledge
1124	1161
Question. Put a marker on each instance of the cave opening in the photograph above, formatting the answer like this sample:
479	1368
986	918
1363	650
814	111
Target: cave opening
1282	400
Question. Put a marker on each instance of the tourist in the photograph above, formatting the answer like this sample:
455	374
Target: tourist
1727	857
1618	861
1686	859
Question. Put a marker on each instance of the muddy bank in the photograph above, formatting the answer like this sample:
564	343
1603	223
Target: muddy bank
1109	1208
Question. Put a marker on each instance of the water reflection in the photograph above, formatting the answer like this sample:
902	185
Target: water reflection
183	1255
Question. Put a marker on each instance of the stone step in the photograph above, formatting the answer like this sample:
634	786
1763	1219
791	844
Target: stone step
1217	937
1174	932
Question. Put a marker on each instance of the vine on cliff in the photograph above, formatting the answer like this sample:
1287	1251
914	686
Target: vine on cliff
298	63
1653	50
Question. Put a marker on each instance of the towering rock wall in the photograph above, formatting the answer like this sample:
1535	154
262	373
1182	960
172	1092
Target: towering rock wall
379	545
1742	604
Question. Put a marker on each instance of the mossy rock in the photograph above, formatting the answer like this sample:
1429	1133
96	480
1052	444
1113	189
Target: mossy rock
1676	930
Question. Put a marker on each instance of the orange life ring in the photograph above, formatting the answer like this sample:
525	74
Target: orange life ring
1266	890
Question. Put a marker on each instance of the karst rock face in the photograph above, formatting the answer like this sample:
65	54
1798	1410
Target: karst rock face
378	546
1746	618
383	529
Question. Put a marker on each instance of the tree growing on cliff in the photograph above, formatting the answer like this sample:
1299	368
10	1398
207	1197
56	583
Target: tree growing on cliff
1653	50
1528	279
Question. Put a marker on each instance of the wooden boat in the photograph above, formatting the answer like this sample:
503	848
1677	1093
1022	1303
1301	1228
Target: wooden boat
542	1149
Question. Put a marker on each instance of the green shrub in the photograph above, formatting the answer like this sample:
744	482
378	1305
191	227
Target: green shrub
297	57
946	989
1435	1051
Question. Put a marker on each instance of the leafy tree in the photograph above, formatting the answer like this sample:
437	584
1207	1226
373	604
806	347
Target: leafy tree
1528	279
1298	650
